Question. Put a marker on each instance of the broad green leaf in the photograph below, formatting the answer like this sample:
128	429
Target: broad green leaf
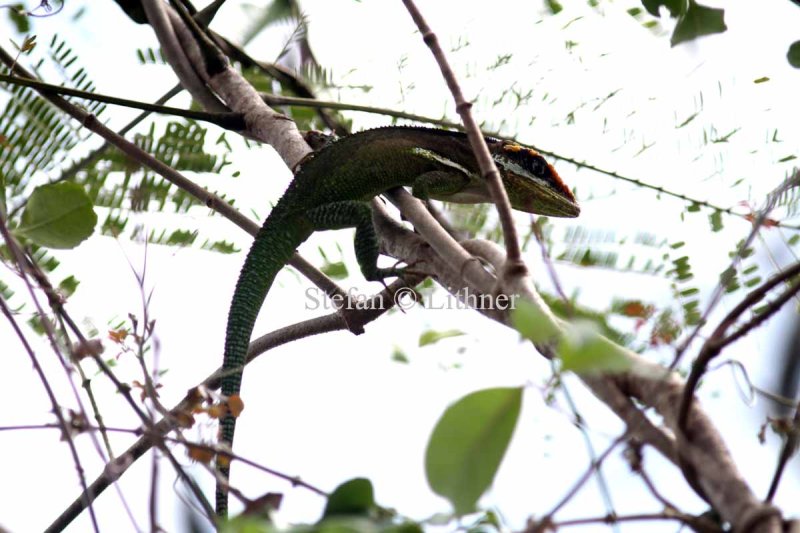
675	7
468	443
59	215
432	336
353	497
531	322
584	351
793	54
698	20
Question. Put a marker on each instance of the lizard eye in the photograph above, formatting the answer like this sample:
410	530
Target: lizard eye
535	164
527	164
526	158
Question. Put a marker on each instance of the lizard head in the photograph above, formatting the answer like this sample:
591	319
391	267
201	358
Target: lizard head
532	184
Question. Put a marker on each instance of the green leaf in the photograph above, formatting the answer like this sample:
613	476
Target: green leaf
67	286
554	6
572	310
432	336
584	351
18	17
59	215
532	323
698	20
5	291
333	269
715	218
793	54
688	120
675	7
353	497
468	443
399	356
223	247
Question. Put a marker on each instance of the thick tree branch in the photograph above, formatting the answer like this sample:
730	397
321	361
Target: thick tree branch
177	58
262	122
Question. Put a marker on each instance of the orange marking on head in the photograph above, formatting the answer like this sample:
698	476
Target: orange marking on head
512	148
560	183
532	152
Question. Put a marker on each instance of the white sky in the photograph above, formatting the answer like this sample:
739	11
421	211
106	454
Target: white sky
337	407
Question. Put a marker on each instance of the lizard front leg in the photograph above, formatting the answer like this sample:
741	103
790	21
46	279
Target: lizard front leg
358	215
440	185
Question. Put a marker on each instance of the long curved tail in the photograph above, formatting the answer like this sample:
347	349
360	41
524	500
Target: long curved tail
271	250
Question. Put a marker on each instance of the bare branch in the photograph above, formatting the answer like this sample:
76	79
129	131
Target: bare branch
178	60
484	158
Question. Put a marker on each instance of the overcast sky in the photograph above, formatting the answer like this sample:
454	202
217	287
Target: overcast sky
335	407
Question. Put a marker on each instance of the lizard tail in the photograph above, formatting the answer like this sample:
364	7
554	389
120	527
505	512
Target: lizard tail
271	250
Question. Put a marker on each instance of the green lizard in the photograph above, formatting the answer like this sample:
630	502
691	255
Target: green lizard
331	190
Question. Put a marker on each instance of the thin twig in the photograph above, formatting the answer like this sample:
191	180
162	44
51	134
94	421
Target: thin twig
548	263
787	451
123	389
719	290
177	57
279	337
700	525
476	140
234	121
138	432
226	120
714	345
92	156
717	340
86	497
596	462
142	157
594	466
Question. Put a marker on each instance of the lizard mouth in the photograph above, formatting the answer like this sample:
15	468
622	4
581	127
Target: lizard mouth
552	203
478	195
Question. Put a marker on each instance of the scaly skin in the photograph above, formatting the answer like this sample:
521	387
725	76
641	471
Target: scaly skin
332	191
